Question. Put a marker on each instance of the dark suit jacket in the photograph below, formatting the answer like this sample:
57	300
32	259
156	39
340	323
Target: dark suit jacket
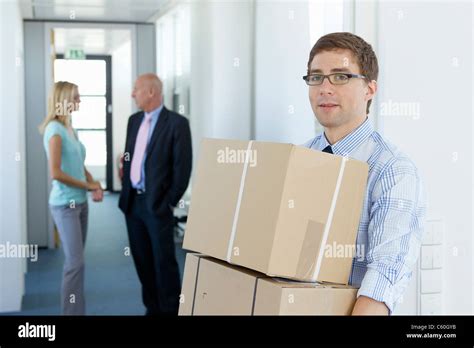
168	162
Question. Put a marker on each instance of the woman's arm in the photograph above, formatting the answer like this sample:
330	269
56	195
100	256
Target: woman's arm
55	145
89	177
98	193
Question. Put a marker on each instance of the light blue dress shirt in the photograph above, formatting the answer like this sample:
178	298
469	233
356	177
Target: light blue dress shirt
155	114
392	219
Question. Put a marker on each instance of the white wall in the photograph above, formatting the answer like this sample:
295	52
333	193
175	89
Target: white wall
431	65
282	109
232	60
12	152
201	108
122	85
247	68
221	66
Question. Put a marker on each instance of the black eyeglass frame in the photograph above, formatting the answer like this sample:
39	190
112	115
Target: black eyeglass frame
348	75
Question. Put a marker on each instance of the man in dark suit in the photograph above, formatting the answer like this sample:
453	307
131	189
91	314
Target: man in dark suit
156	171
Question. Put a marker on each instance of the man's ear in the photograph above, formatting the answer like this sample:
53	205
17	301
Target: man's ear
371	90
151	92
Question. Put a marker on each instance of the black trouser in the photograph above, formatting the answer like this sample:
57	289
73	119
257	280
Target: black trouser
152	246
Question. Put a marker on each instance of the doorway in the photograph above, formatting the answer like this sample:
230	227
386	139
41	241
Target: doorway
93	121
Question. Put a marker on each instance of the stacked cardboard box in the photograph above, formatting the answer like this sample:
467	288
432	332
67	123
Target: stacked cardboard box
277	209
213	287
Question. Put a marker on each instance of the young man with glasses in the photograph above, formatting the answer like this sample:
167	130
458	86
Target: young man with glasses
342	74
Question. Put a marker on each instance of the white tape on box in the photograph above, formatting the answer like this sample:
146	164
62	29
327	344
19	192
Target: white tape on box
239	201
327	227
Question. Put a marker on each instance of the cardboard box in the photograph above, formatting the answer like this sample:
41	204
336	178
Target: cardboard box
279	209
214	287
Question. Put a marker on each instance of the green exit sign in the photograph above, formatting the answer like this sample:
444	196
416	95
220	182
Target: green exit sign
75	54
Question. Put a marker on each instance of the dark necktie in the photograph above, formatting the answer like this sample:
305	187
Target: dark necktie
328	149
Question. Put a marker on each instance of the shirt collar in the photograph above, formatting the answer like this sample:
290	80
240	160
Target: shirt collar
154	113
351	141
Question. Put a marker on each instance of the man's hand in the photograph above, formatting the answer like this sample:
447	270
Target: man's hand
367	306
98	195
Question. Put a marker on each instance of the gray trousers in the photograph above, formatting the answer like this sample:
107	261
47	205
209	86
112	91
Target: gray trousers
71	222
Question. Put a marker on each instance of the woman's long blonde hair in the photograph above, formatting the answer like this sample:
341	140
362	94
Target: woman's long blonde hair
60	104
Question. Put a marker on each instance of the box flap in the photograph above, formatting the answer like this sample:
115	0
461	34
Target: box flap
309	188
223	290
340	248
214	193
317	301
186	299
260	204
277	297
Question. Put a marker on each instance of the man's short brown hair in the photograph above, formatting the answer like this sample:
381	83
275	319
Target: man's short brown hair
362	51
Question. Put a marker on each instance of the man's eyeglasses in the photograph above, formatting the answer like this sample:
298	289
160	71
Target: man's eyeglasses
335	79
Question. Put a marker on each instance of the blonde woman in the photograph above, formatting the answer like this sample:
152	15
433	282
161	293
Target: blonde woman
68	197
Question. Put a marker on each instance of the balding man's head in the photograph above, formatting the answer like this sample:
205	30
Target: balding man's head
151	81
148	92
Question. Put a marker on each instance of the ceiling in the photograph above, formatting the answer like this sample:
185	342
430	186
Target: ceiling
91	40
136	11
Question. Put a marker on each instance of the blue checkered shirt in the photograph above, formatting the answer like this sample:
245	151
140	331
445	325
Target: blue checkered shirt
392	218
